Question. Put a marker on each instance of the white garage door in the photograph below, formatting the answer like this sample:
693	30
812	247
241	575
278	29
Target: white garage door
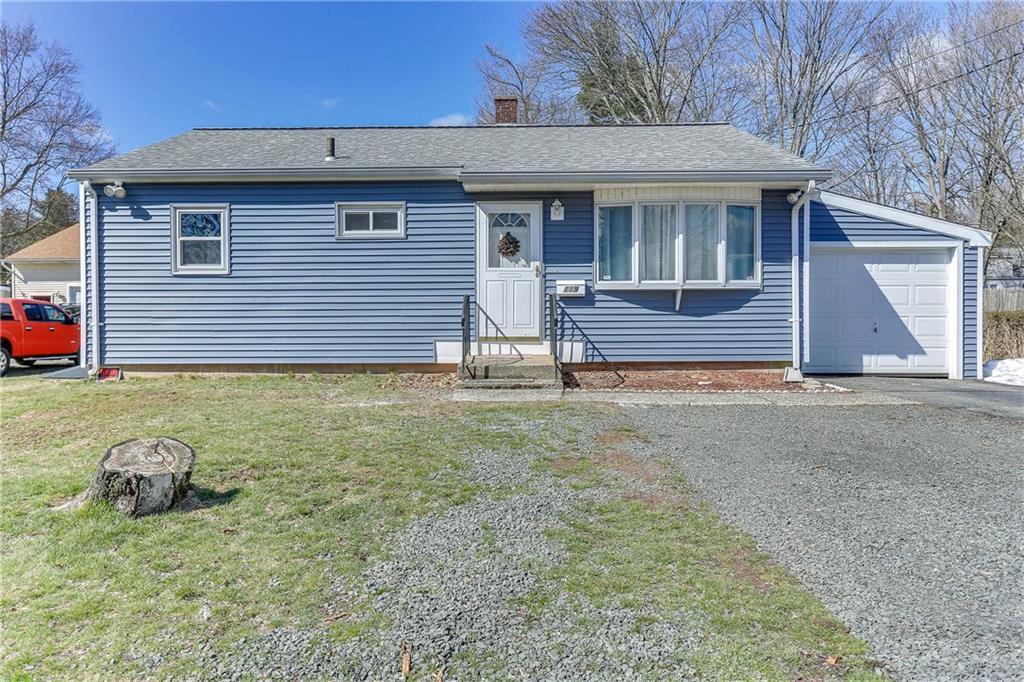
879	311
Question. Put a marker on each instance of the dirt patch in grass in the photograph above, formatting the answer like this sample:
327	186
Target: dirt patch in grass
699	381
632	466
618	435
750	568
420	381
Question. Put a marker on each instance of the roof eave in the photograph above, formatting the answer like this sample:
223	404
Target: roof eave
164	175
641	177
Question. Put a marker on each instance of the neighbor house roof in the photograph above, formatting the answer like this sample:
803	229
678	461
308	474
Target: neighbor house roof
64	245
498	153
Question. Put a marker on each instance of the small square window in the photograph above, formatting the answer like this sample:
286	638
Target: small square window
199	243
370	221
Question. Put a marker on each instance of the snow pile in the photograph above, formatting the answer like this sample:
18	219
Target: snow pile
1010	372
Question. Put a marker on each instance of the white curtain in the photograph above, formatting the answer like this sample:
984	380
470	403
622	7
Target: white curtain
701	242
659	242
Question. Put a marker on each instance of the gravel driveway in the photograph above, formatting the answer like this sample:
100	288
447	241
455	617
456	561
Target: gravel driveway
906	521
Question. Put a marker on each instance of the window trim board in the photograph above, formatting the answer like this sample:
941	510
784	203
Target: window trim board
224	268
341	207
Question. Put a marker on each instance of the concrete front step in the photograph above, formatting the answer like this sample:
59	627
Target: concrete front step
509	384
532	367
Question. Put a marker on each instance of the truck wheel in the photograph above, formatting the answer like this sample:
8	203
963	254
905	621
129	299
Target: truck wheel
5	360
26	363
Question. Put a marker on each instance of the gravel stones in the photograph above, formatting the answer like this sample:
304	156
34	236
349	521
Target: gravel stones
905	520
462	586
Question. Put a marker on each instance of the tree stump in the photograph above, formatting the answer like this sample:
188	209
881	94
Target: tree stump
144	476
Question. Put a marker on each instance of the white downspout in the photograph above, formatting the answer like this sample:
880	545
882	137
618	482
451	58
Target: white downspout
82	278
798	199
806	284
94	274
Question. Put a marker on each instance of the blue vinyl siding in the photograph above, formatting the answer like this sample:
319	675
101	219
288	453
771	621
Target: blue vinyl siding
622	326
837	225
295	294
970	313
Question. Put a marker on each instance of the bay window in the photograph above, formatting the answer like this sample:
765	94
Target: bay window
672	245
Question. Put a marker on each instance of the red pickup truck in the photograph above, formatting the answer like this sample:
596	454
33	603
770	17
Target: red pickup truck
33	330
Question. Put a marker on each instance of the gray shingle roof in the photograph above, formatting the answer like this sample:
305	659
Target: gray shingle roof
516	149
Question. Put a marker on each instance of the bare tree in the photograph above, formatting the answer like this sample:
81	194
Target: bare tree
624	62
46	126
867	160
808	57
951	89
542	99
987	87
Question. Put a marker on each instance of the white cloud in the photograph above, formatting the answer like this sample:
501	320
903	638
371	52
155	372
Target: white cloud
451	120
210	104
330	102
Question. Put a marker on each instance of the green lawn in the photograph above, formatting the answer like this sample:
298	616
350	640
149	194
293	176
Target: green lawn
303	478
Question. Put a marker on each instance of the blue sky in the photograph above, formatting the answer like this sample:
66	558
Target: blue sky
158	69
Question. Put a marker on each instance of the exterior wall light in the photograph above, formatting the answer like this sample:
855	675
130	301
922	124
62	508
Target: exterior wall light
116	190
557	210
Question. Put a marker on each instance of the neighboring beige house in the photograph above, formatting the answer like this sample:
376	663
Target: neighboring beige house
49	269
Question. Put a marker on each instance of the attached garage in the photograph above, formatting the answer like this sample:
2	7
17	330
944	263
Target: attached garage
891	292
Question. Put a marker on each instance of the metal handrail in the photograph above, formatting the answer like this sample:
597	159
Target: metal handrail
553	332
465	324
553	325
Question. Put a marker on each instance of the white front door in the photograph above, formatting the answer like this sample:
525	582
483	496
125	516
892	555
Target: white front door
509	285
880	311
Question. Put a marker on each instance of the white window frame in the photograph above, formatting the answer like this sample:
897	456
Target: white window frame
719	281
634	265
638	231
680	281
222	268
67	291
343	207
757	281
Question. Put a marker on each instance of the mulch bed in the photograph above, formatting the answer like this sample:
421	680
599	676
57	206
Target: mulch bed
692	381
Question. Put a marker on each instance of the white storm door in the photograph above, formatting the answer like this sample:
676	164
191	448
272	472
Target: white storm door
510	282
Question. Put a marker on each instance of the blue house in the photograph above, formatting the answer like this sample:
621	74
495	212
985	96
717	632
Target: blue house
360	248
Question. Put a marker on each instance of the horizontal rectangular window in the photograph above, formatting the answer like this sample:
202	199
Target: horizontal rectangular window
199	239
370	221
615	243
688	244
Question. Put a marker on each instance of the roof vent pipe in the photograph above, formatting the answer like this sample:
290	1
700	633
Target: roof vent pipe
330	149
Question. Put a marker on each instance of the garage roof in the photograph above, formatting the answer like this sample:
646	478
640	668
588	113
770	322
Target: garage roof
973	235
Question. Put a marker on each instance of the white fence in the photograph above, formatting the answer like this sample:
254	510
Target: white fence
1004	299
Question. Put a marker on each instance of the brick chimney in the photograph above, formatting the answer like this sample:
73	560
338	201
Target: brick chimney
506	110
